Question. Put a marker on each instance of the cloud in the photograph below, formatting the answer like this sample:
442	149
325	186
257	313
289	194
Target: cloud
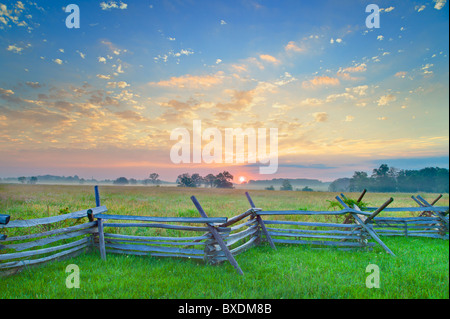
357	68
333	97
239	67
312	102
191	81
401	74
386	99
222	22
292	47
241	100
4	92
101	59
380	37
358	90
387	9
439	4
320	116
426	69
34	85
14	48
82	55
382	118
113	5
420	8
120	84
269	58
285	79
338	40
130	115
165	57
104	77
349	118
320	81
58	61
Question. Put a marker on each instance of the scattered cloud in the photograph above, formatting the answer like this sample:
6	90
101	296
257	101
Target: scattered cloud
16	49
82	55
358	90
387	9
338	40
321	81
439	4
191	81
269	58
320	117
386	99
120	84
113	5
104	77
401	74
380	37
293	47
349	118
426	69
420	8
58	61
33	85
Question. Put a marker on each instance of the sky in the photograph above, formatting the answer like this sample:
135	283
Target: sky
102	100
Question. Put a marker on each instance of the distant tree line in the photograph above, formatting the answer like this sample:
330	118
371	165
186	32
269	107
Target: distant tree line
31	180
287	186
221	180
389	179
153	179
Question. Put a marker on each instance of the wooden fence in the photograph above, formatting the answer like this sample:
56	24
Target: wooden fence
214	240
431	221
320	234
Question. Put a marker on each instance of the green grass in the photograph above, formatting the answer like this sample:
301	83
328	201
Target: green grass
420	270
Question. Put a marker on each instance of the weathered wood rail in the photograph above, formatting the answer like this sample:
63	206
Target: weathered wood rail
214	239
321	234
431	221
46	239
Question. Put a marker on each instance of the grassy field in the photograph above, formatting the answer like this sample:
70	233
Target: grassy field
420	270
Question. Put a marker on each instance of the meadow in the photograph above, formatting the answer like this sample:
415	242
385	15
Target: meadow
420	270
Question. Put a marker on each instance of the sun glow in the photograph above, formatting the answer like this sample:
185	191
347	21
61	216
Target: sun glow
241	179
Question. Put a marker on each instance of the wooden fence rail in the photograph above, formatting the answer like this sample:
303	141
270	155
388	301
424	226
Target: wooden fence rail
431	222
341	236
214	239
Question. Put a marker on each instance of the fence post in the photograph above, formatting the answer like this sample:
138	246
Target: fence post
261	222
97	196
217	236
4	219
101	240
406	228
361	196
94	236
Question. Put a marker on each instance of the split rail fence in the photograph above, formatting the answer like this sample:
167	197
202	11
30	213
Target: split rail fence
212	239
431	222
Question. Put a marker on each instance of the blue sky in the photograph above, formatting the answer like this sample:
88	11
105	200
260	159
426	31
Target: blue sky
102	100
